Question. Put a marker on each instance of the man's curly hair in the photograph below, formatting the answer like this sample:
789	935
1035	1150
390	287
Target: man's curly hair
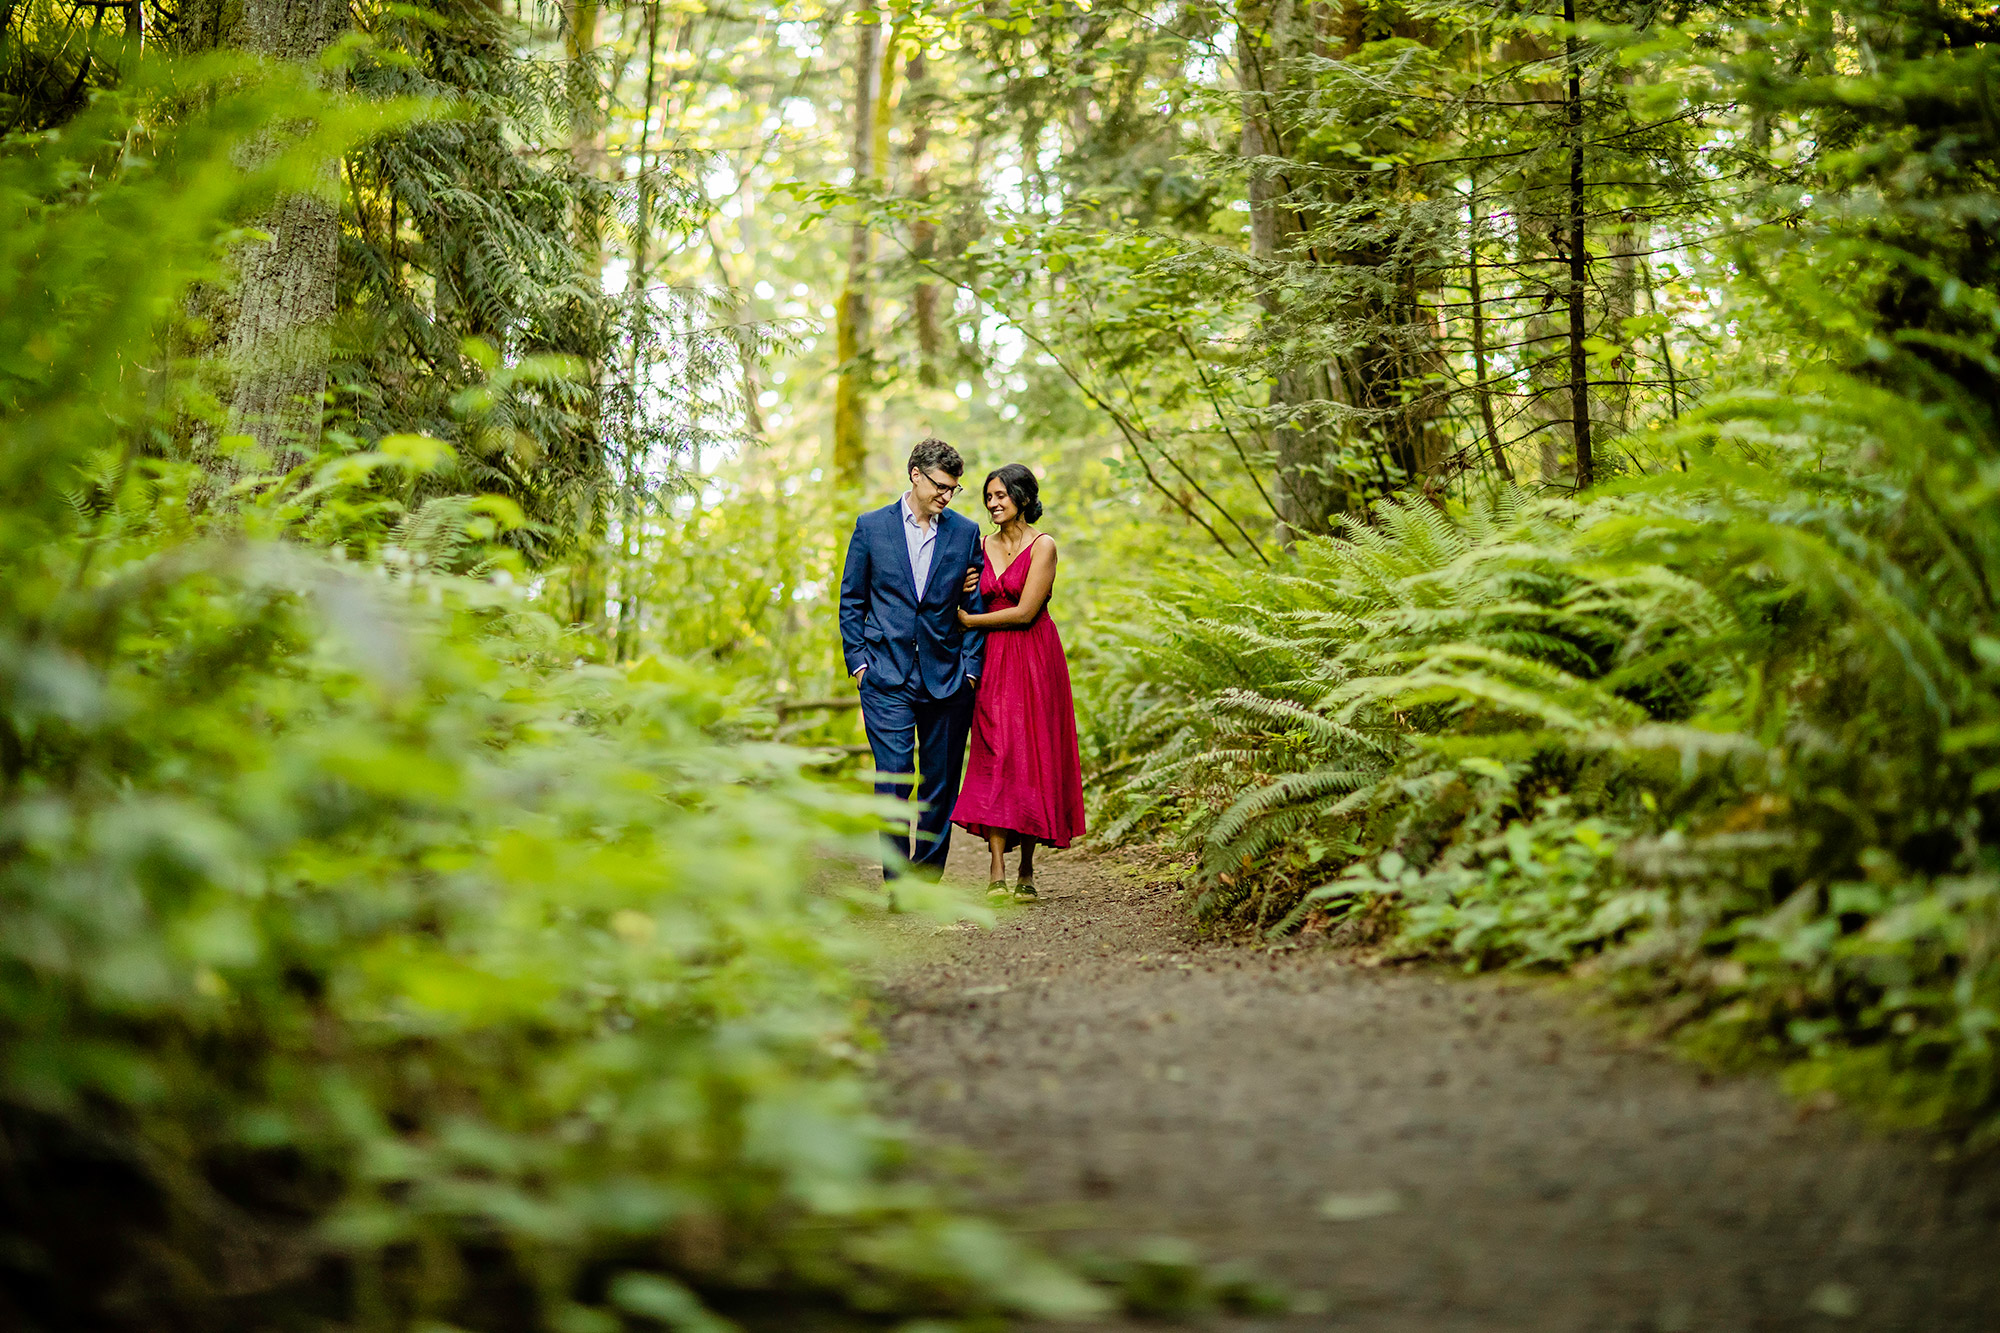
935	453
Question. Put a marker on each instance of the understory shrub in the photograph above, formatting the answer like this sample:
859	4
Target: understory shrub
1415	686
365	965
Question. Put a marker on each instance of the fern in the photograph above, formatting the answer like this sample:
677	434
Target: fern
1309	703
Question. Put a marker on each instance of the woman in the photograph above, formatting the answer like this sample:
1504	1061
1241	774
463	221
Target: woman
1023	782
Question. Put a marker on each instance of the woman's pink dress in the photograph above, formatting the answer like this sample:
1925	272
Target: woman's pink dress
1022	773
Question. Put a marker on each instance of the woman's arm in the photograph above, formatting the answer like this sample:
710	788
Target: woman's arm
972	649
1034	596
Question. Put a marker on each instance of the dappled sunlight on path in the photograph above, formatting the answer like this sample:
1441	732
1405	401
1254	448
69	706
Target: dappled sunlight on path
1421	1151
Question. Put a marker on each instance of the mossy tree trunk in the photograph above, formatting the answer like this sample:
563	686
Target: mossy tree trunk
274	329
851	331
922	96
1349	416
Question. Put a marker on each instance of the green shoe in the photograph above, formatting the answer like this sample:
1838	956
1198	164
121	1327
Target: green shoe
1025	889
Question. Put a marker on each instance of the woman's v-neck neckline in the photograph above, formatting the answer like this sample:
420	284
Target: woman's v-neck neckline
998	573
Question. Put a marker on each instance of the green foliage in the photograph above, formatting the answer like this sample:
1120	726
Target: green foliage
1700	729
1369	688
366	967
1539	892
53	57
1729	730
475	238
750	569
1165	1279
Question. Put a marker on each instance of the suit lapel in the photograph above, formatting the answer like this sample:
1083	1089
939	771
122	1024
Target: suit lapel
938	560
892	518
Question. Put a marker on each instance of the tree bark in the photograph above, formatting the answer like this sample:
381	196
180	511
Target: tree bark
851	332
1309	485
1579	259
885	104
589	576
1481	392
1626	241
1363	405
278	340
631	519
279	344
1666	348
923	232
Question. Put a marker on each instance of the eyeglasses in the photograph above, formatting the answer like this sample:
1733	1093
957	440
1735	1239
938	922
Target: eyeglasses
948	492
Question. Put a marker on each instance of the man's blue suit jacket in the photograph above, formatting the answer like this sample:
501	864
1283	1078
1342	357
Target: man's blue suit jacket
885	627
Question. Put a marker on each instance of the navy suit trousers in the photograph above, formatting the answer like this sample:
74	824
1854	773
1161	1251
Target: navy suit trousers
912	733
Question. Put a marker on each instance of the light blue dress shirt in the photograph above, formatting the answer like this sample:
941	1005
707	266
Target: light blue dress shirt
922	542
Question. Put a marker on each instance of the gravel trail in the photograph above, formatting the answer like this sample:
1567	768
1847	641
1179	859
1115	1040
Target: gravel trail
1416	1151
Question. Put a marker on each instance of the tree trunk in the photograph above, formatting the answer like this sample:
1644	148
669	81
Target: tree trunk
923	232
1407	362
885	104
1666	348
1548	383
277	342
589	517
582	19
851	332
631	517
1579	259
1309	486
1625	242
1482	393
1358	417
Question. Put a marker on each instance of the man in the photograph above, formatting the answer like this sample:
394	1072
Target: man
915	665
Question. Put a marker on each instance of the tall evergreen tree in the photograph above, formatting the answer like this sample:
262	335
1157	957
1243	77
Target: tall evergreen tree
473	241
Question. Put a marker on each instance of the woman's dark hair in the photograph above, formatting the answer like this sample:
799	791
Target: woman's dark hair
1020	484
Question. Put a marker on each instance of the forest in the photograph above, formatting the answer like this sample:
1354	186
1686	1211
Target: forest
1528	478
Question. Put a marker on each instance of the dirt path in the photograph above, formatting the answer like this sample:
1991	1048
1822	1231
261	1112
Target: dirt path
1424	1152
